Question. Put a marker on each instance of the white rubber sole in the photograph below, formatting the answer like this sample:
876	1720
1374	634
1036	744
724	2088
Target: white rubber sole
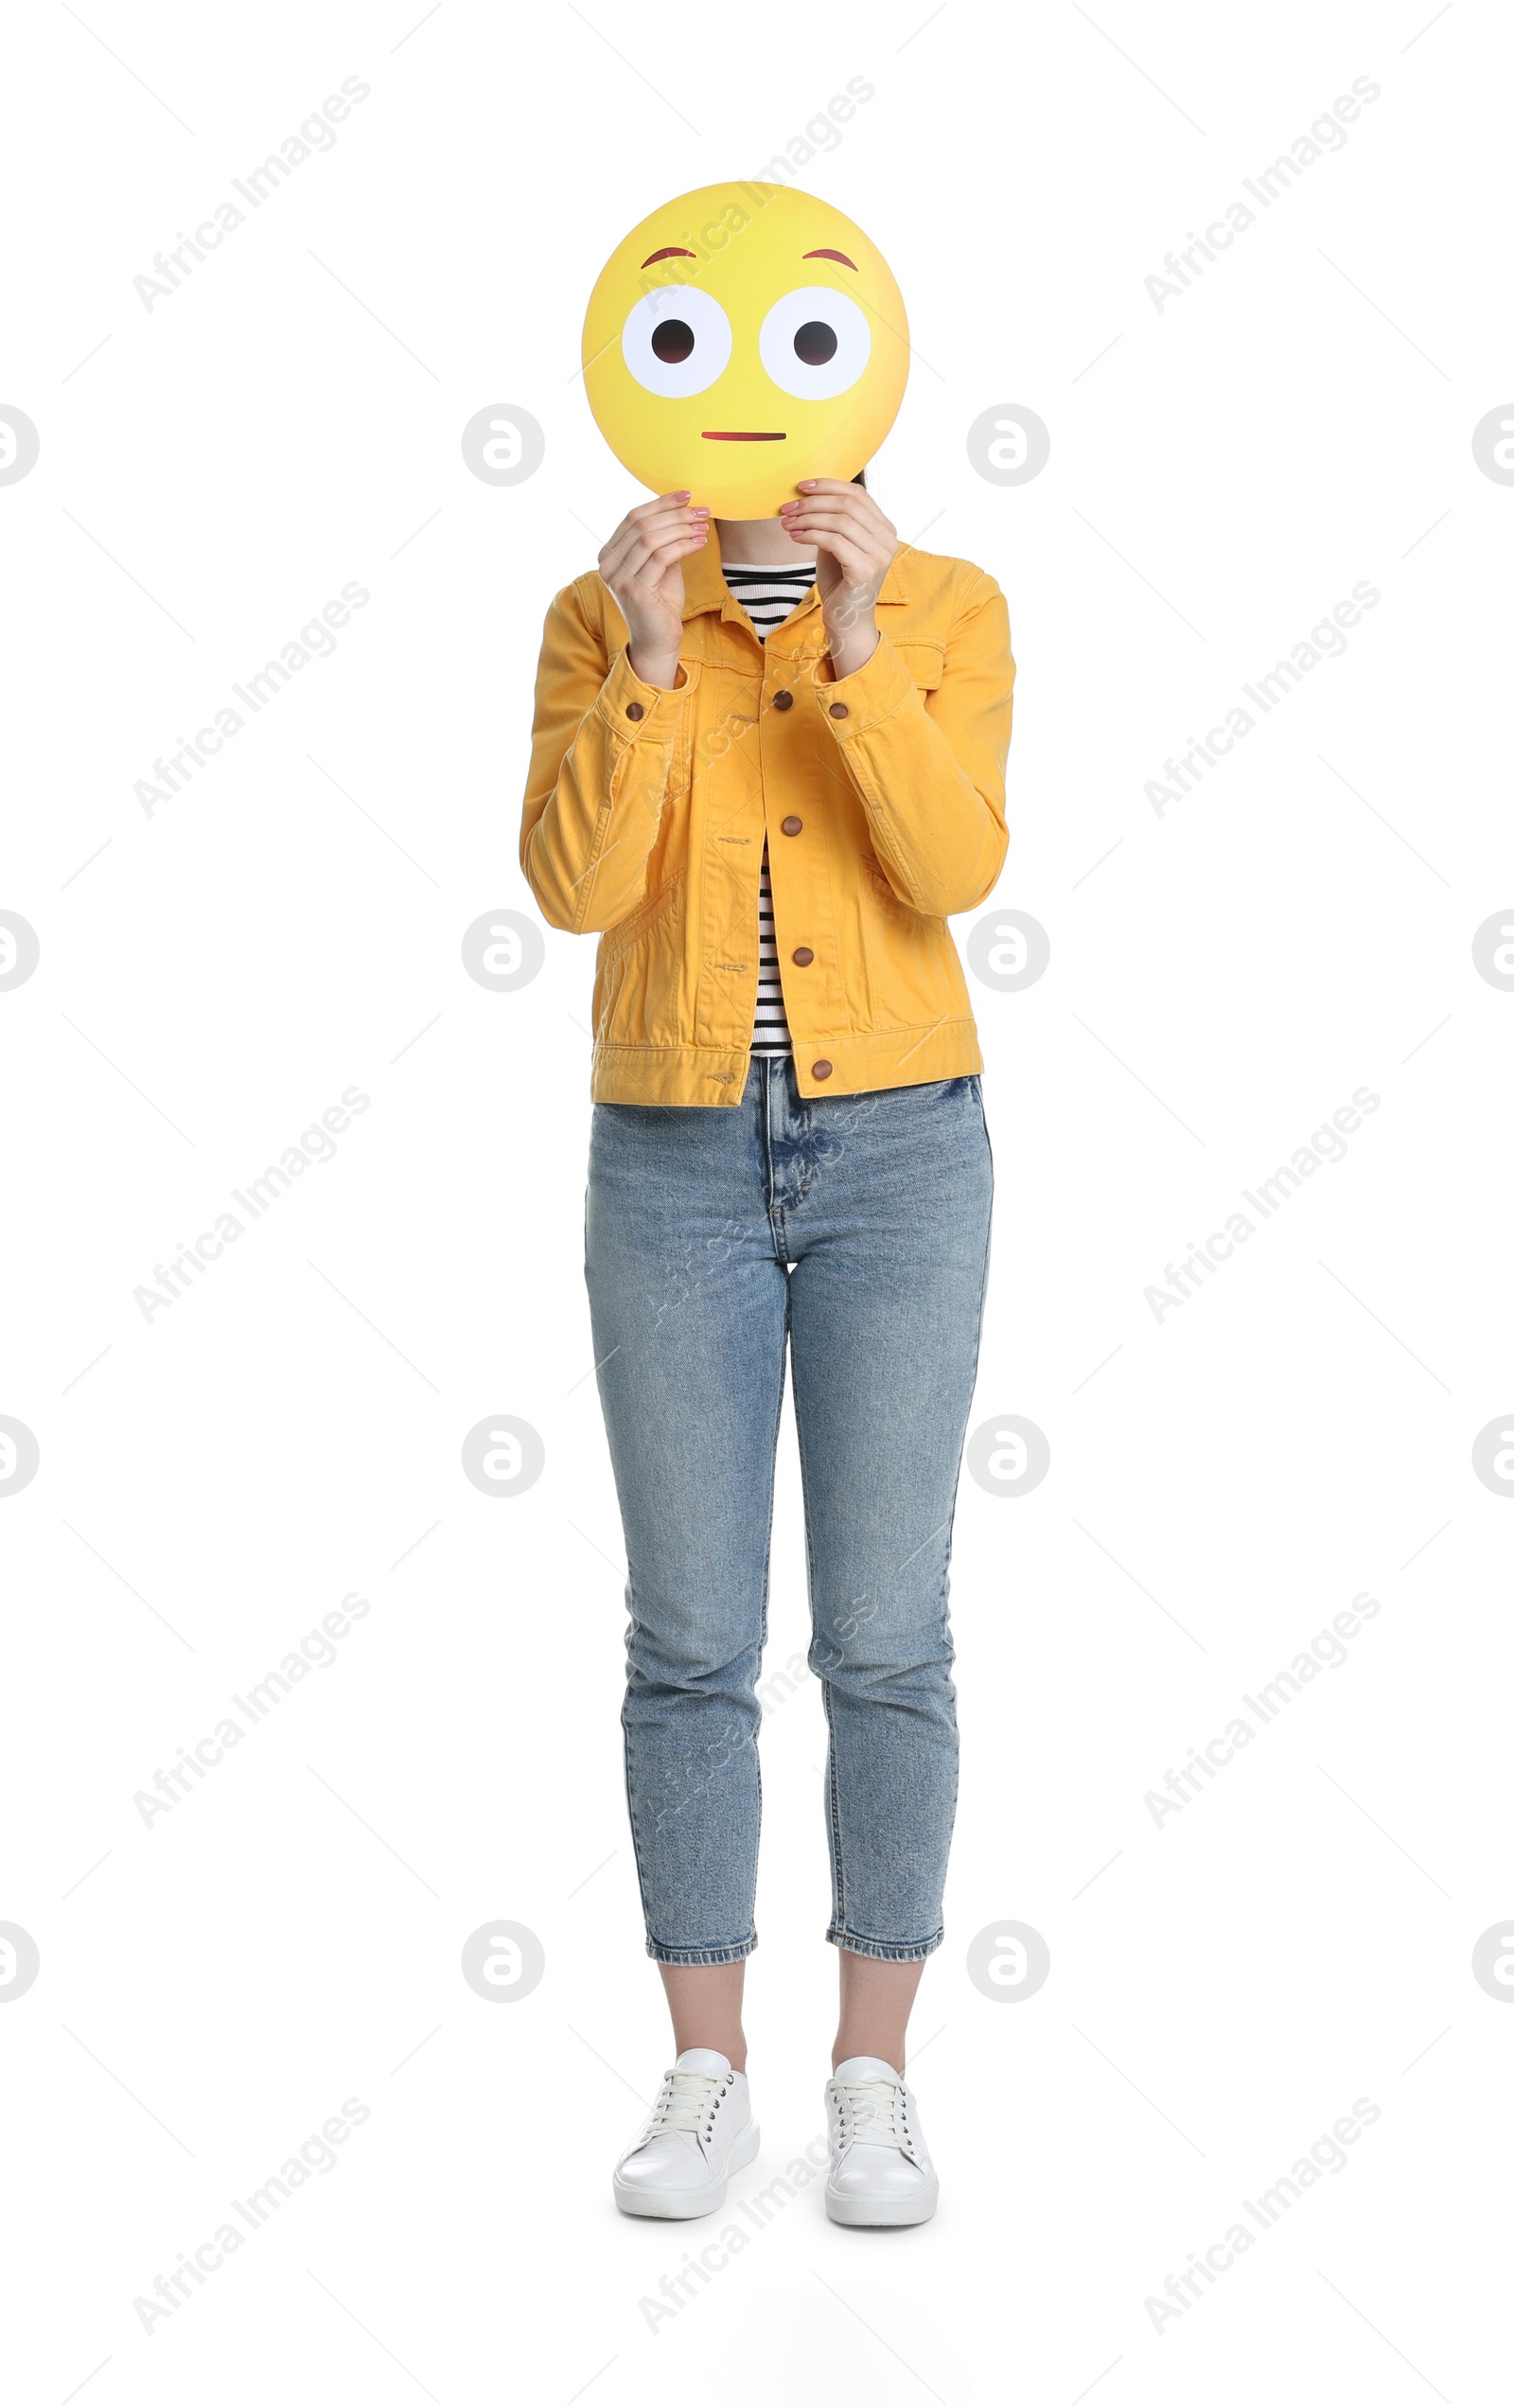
635	2199
879	2214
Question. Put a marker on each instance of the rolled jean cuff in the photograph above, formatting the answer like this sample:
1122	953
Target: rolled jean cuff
897	1952
721	1953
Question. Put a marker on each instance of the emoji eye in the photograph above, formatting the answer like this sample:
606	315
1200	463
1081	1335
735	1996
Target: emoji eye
675	341
815	343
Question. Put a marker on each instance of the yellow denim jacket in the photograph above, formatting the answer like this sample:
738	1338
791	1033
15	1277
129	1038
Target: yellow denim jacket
881	795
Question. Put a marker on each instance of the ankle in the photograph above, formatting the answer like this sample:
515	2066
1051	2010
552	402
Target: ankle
731	2046
889	2051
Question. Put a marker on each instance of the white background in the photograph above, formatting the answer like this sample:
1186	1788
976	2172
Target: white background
1223	1482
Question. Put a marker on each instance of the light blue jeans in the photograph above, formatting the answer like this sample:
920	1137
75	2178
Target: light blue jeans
851	1232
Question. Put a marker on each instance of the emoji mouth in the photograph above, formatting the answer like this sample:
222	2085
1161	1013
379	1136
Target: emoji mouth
721	435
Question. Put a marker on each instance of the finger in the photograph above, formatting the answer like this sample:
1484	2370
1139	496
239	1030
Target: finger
667	523
654	515
876	533
649	560
825	512
844	488
855	568
669	530
658	502
824	522
839	497
832	496
828	531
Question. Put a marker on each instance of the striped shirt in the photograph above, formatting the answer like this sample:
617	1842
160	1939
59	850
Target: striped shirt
768	597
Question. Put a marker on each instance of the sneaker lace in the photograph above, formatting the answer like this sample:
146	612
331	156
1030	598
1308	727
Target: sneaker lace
873	2110
686	2102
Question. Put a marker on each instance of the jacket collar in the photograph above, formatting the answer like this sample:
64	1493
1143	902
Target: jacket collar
705	588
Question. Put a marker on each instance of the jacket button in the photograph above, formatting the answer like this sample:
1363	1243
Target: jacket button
803	957
840	710
820	1069
783	699
634	711
792	827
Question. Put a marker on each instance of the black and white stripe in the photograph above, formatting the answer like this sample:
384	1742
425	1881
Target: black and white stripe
768	597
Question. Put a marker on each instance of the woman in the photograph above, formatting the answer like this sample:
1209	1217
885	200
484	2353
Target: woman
767	768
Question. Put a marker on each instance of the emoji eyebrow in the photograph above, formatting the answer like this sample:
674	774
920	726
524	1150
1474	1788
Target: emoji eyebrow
673	251
834	255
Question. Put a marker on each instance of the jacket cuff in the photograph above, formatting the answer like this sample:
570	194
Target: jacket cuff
635	711
852	704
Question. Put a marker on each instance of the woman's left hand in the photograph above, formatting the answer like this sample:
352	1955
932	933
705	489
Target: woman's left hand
854	544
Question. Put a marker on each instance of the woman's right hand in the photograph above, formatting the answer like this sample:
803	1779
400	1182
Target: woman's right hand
643	566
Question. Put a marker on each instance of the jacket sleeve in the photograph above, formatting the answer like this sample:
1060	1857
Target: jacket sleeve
930	770
602	748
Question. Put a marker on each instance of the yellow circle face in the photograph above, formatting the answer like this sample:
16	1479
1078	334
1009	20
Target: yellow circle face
743	337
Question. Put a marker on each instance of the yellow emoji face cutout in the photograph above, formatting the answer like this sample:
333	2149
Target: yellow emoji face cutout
743	337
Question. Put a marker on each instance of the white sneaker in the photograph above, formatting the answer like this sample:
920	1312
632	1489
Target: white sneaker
881	2172
699	2132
